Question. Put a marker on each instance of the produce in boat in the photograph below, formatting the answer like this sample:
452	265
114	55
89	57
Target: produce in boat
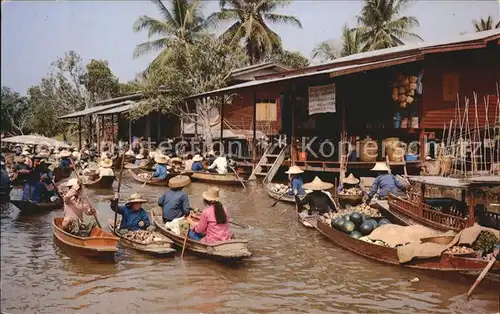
145	237
363	209
356	218
335	222
457	249
373	222
366	228
347	217
349	227
351	191
383	221
279	188
356	234
340	223
486	242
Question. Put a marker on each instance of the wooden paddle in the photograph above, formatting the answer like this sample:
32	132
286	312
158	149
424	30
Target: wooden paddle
184	244
241	226
481	276
84	192
279	198
118	189
237	176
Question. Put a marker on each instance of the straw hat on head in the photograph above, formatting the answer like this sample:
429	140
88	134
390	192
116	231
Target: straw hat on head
294	170
211	195
139	156
317	185
136	198
161	159
179	181
351	179
176	159
106	163
71	182
380	166
152	154
197	157
64	154
25	153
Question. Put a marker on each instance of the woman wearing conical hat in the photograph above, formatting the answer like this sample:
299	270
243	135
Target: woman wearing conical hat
296	182
317	200
385	183
350	182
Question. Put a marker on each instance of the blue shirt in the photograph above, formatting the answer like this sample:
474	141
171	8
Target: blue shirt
4	181
385	184
131	219
197	166
160	172
37	190
297	184
175	204
64	163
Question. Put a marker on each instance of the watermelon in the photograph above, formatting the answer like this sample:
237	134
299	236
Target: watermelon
347	217
383	222
340	223
355	234
349	227
373	222
366	228
335	222
356	218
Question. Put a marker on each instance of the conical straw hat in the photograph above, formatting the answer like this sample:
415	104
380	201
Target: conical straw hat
212	194
317	185
380	166
136	198
179	181
197	157
161	159
106	163
64	154
294	170
351	179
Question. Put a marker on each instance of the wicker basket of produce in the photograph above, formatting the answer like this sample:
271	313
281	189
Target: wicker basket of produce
368	150
393	149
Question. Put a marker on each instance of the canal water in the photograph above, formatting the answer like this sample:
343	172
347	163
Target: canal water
293	270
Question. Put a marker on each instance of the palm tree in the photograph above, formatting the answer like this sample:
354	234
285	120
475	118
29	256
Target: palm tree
350	44
381	26
183	23
251	25
485	24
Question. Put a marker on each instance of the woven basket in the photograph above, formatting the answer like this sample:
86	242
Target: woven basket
368	150
393	150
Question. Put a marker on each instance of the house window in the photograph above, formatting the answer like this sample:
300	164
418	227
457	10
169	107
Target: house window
266	110
451	86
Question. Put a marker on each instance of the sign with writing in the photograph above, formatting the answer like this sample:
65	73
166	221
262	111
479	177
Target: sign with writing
321	99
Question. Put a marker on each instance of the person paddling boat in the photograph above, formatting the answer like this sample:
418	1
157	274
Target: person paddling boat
318	200
175	202
296	182
74	209
134	217
385	183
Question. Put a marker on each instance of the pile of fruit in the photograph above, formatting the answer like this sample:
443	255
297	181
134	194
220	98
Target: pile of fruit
144	175
459	250
363	209
356	224
279	188
351	191
145	237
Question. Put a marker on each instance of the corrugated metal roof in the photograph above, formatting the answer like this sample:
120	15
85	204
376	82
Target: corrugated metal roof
332	72
88	111
123	107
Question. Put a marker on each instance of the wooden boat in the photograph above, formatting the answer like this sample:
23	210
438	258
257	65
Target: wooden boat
227	250
156	248
100	244
285	198
104	182
158	182
446	262
28	207
60	174
215	178
308	221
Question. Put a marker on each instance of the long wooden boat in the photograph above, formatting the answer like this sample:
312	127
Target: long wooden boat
60	174
104	182
28	207
162	247
446	262
158	182
308	221
226	250
215	178
283	198
99	244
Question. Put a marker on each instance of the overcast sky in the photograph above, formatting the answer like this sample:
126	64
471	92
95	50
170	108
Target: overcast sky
35	33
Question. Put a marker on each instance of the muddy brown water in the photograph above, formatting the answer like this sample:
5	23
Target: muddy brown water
293	270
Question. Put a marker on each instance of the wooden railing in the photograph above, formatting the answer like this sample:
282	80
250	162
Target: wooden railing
426	215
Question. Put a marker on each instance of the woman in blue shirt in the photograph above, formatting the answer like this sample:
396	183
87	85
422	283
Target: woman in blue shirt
161	167
385	183
197	163
134	217
296	181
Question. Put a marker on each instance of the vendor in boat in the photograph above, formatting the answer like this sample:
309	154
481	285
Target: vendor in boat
5	181
134	217
213	225
104	170
138	159
385	183
35	190
21	169
74	209
175	202
160	167
219	165
209	158
64	162
350	182
296	182
318	200
197	163
26	154
18	150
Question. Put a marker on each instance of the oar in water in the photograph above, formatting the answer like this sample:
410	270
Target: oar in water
481	276
118	189
239	225
184	244
85	194
237	176
279	198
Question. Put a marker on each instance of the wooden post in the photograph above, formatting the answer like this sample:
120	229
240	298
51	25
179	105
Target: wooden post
79	133
113	138
472	205
158	129
103	133
91	139
293	148
254	140
130	133
221	127
422	145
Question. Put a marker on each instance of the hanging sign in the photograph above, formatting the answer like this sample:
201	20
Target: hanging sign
321	99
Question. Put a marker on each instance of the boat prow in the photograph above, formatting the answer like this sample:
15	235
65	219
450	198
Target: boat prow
164	247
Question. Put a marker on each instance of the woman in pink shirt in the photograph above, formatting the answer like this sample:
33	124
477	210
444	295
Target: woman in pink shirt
214	222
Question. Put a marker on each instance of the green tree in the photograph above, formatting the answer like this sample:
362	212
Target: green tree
182	24
485	24
13	112
43	118
251	25
290	59
381	26
128	88
99	81
350	44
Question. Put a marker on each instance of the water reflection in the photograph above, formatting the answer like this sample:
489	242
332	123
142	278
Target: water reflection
293	269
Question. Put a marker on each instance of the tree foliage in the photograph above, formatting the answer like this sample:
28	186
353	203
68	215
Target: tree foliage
350	43
13	112
99	81
290	59
251	19
485	24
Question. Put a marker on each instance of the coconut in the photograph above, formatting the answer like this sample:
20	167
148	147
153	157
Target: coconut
413	79
402	97
409	99
411	92
413	85
402	90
